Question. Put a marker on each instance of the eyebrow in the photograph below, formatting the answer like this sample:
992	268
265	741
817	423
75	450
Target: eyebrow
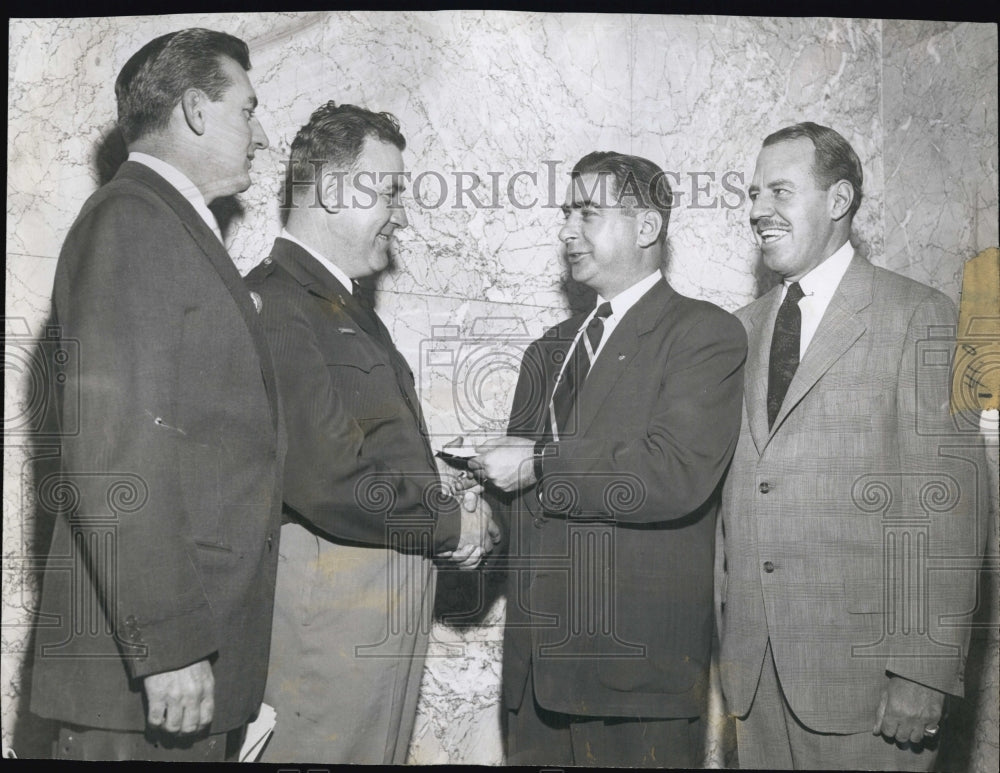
396	180
579	205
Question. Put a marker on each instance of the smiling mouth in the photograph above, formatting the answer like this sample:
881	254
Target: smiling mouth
770	235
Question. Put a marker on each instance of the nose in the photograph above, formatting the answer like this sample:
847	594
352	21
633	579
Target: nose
398	217
761	207
260	140
568	230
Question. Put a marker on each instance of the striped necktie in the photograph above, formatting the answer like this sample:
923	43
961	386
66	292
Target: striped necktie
581	358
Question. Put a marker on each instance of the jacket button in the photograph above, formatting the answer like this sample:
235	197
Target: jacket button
764	487
768	567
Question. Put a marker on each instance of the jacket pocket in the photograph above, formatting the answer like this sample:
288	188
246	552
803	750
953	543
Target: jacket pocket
367	386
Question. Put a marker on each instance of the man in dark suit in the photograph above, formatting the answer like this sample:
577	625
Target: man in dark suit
622	425
155	614
849	536
366	511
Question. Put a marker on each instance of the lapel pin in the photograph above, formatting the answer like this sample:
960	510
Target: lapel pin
258	302
620	357
347	331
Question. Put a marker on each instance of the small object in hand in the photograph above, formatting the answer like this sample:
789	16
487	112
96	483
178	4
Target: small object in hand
930	732
456	453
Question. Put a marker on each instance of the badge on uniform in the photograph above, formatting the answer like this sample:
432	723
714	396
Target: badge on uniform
347	331
258	302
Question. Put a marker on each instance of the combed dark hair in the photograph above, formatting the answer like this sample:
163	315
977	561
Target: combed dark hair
636	178
835	158
335	135
155	78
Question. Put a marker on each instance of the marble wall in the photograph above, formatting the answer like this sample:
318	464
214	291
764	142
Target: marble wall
513	98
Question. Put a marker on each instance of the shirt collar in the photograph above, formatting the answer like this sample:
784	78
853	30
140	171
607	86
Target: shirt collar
626	299
182	183
333	268
823	280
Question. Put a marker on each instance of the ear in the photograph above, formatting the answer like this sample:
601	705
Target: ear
330	193
193	104
840	197
649	222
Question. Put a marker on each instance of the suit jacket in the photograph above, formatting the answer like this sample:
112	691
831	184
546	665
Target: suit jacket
169	499
358	459
610	582
849	532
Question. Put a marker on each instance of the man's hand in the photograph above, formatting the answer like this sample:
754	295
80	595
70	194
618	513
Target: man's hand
907	710
456	481
181	701
479	531
507	462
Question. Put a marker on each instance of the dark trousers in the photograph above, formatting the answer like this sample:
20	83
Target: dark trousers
94	744
536	736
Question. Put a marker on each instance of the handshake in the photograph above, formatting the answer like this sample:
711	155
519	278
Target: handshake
506	463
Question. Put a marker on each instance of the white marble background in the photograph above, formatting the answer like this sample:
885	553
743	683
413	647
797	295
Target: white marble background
495	92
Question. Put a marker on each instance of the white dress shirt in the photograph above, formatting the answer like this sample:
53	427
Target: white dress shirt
620	304
184	187
818	287
333	268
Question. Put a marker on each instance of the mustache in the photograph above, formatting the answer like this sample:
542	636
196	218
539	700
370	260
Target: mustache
768	222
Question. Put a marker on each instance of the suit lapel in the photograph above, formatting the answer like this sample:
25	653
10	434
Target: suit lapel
619	351
760	323
320	282
839	328
220	260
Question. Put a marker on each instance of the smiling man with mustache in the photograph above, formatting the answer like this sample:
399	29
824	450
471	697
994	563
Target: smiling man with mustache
838	648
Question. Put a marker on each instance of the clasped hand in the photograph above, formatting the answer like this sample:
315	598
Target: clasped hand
479	532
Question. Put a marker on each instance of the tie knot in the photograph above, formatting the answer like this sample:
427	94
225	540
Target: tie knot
794	294
602	313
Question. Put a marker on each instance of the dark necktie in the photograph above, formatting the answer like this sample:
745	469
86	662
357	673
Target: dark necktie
363	300
784	350
581	358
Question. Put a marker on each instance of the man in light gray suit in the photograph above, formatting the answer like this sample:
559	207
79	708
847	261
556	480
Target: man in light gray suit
849	538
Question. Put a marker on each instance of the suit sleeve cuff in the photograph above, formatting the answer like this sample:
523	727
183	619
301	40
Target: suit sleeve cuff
448	525
543	449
